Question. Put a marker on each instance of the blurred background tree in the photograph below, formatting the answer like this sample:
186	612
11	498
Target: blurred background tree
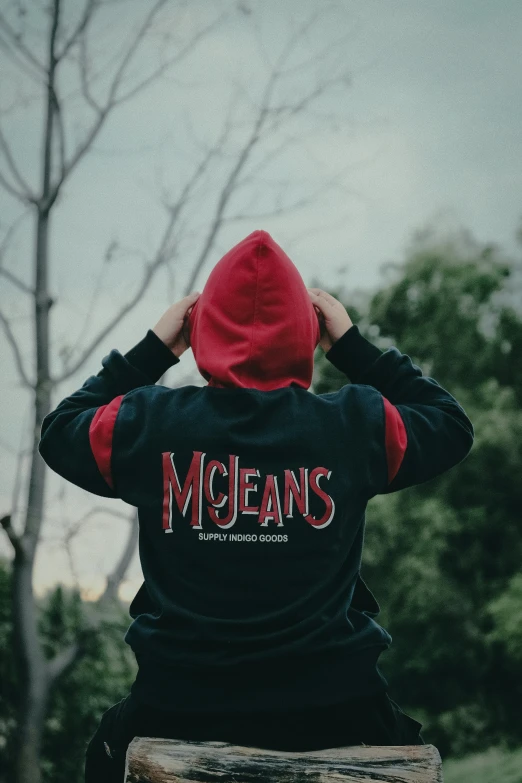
444	558
102	675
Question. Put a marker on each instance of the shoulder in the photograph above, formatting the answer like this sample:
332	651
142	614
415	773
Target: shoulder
141	401
358	407
355	395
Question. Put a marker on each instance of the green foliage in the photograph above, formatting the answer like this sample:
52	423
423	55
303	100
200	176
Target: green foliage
446	311
495	764
444	558
505	611
7	666
102	676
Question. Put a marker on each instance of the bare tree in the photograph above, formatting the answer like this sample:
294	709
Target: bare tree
69	45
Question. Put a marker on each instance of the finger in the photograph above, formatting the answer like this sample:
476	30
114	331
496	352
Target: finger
324	295
322	302
331	300
318	303
188	302
318	292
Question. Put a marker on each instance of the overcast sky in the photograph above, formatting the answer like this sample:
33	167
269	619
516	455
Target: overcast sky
429	129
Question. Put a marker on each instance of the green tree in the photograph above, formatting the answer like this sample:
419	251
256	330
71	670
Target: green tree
444	558
102	676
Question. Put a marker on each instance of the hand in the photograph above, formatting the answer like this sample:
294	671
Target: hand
172	326
333	318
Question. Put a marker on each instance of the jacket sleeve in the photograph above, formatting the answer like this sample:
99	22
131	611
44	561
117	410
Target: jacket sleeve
76	438
419	427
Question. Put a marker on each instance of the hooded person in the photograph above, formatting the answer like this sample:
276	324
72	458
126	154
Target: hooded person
254	325
251	493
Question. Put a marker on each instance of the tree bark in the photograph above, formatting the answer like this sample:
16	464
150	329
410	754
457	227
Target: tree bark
33	677
33	673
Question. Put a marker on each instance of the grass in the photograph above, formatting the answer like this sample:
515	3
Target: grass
494	765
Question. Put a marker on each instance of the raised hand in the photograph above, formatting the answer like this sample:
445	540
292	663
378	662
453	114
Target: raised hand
333	318
172	326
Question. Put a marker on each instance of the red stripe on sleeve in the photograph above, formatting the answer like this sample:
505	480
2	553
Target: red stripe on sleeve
100	436
396	439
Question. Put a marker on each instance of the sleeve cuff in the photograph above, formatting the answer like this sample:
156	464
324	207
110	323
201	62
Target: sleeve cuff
353	354
151	356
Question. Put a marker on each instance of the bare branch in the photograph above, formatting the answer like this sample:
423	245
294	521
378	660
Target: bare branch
335	180
292	109
271	155
113	100
14	57
16	42
160	258
230	184
78	525
20	196
56	106
132	48
160	70
9	233
21	453
77	33
17	59
13	168
114	580
149	272
14	538
98	286
16	351
264	112
48	195
281	113
83	65
281	210
15	280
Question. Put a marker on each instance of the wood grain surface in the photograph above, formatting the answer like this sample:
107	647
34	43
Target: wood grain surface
151	760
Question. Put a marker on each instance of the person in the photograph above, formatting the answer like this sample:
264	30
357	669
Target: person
253	624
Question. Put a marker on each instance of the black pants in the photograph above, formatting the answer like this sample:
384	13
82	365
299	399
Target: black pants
371	720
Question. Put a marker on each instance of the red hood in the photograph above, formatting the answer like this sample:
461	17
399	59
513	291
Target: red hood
254	324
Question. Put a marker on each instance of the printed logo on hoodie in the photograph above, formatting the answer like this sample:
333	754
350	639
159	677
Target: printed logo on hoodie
269	497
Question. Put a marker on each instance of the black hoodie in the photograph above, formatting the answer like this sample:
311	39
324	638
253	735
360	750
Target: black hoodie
251	490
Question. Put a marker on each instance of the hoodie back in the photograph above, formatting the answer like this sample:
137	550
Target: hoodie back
251	490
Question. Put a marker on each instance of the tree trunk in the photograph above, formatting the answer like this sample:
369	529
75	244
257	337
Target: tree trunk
32	678
32	667
33	671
